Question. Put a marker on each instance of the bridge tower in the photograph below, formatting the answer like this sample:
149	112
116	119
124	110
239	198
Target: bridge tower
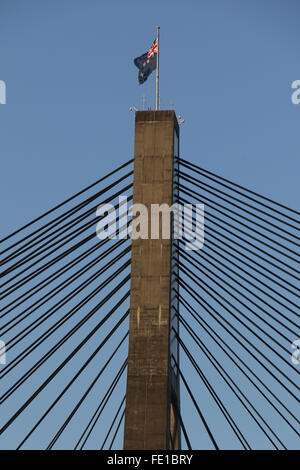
152	398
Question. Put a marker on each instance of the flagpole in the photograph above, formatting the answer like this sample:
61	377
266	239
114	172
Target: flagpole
157	71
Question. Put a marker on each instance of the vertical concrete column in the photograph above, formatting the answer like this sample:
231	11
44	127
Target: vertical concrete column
147	416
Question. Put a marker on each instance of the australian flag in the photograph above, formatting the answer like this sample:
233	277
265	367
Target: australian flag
146	63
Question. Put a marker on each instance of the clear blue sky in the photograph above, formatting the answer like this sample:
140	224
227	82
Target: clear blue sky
227	66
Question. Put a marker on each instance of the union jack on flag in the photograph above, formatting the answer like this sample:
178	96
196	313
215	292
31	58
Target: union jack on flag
146	63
